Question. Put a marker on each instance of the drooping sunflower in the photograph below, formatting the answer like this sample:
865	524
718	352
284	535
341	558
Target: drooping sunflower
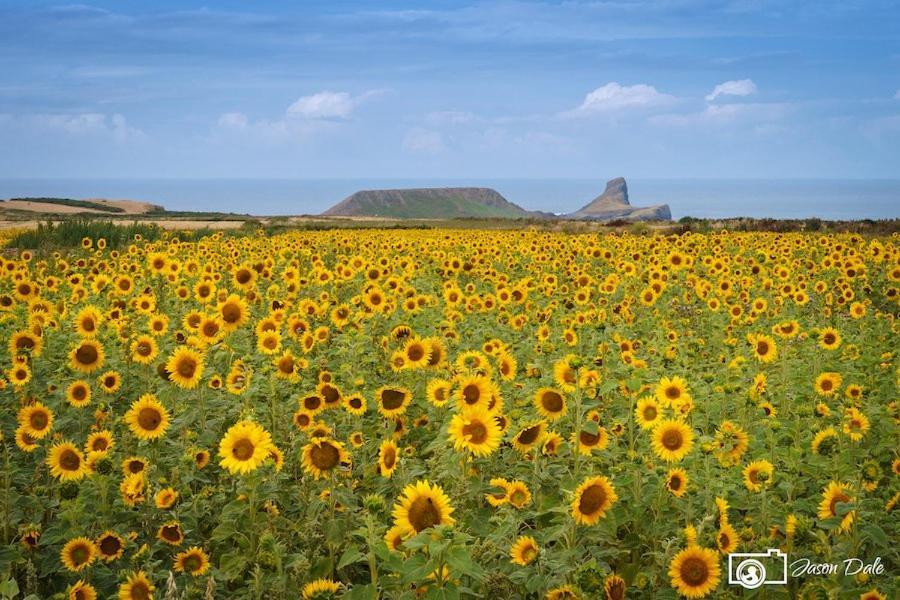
185	367
563	592
550	403
422	505
320	589
66	462
856	424
836	493
758	475
81	590
647	412
78	554
695	571
475	430
529	436
593	498
24	441
524	551
322	455
392	401
244	447
87	357
387	458
672	440
110	546
193	561
147	418
501	496
677	482
137	586
36	420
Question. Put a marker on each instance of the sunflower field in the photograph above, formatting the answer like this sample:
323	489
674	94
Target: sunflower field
448	414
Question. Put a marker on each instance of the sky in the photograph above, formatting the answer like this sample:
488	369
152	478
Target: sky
315	89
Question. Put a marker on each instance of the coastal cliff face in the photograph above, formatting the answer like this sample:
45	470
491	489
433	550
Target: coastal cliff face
613	204
429	203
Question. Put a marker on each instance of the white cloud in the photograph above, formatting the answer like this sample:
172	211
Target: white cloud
113	126
736	87
328	105
423	141
614	97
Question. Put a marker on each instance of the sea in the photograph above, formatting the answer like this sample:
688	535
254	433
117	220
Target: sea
837	199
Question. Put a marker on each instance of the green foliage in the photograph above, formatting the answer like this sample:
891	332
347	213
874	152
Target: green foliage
69	234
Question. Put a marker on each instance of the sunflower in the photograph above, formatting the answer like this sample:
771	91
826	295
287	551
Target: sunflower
695	571
764	348
676	482
417	353
99	443
614	587
518	494
387	458
166	497
170	533
244	447
647	413
589	441
233	312
36	420
827	384
593	498
81	590
422	505
474	390
87	321
24	441
672	440
563	592
87	357
137	586
834	494
185	368
78	554
394	537
144	350
78	394
110	546
134	465
110	382
201	458
392	401
21	342
355	404
529	437
438	392
758	475
147	418
193	561
669	391
501	497
856	424
726	538
565	374
524	551
66	462
19	374
829	338
550	403
320	589
476	430
322	455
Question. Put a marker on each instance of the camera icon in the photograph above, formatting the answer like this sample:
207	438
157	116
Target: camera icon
751	570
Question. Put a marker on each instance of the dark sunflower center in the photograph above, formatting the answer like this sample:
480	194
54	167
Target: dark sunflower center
110	545
312	402
192	563
69	460
392	399
471	393
762	347
416	352
529	435
589	439
675	483
149	418
231	313
139	591
672	440
86	355
171	533
79	392
423	514
243	449
325	456
80	554
389	458
592	499
650	413
694	571
829	338
187	366
552	402
840	497
38	420
672	392
331	394
475	431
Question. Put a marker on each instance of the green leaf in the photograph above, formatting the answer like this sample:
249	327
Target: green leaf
351	555
460	561
590	427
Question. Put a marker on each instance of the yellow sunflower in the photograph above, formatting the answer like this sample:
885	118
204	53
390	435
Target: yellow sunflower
695	571
677	482
392	400
144	350
185	368
593	498
137	586
110	546
387	458
147	418
244	447
422	505
529	437
550	403
320	589
78	554
322	455
193	561
66	462
476	430
834	494
524	551
758	475
670	390
81	590
78	394
829	338
672	440
36	420
827	384
87	357
647	412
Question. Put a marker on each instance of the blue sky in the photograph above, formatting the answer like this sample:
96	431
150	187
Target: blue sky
680	88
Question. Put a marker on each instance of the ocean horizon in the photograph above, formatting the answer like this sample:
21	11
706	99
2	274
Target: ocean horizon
831	199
